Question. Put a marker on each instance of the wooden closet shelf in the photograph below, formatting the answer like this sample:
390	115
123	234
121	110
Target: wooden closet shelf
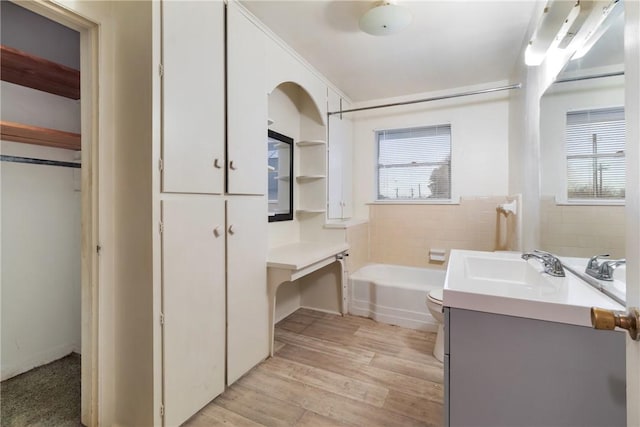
18	132
38	73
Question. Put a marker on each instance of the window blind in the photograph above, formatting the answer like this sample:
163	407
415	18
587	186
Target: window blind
415	163
595	154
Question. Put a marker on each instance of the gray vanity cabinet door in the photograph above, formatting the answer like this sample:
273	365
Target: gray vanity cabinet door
510	371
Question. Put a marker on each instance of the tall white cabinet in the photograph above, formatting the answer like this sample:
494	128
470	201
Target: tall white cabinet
213	208
340	193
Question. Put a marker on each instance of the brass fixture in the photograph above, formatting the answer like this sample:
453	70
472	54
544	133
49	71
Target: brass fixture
609	319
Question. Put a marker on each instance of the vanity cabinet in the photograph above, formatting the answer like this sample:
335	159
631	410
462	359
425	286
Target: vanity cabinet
511	371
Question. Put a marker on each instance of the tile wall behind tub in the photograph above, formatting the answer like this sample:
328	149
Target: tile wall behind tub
403	234
582	231
358	239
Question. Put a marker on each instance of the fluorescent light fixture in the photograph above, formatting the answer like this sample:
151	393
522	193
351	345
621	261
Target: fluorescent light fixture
557	19
609	15
385	18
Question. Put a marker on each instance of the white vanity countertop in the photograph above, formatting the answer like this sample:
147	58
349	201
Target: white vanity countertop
296	256
503	283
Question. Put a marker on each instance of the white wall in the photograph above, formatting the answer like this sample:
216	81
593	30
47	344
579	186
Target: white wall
41	259
40	209
479	140
557	100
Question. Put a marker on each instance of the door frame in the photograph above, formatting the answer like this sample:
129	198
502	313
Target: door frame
90	190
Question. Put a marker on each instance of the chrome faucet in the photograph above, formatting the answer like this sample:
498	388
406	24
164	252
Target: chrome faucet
604	270
552	264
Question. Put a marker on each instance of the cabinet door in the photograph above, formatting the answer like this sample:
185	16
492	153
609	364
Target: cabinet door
193	294
247	298
246	105
193	97
340	161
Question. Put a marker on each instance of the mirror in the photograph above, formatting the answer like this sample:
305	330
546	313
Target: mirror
582	150
280	173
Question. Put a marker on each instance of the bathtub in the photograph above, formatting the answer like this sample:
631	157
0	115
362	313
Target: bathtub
395	294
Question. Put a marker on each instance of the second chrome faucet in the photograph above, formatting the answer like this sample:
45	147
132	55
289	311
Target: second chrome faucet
604	270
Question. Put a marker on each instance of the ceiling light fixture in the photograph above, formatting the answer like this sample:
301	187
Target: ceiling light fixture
384	18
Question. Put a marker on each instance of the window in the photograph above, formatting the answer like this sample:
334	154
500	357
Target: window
595	154
414	164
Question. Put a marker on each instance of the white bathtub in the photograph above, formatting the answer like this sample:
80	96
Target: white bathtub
395	294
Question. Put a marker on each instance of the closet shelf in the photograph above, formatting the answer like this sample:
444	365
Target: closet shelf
18	132
304	178
38	73
310	142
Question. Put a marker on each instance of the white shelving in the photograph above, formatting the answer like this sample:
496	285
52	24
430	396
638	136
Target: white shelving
310	211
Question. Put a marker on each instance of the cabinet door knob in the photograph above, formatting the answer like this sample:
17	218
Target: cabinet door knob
216	231
609	319
232	166
231	230
216	163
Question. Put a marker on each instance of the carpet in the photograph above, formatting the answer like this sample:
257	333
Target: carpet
45	396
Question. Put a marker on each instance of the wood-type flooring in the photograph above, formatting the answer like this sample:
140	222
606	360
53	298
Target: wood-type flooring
330	370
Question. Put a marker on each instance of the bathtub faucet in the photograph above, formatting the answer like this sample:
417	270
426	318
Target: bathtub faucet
552	264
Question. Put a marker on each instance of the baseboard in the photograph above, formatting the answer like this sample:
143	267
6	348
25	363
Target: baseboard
322	310
27	364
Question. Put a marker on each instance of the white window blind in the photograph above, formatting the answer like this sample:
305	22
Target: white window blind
414	164
595	154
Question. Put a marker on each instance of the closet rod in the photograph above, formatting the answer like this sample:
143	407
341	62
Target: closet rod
594	76
17	159
435	98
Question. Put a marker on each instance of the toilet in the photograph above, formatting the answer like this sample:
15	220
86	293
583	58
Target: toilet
434	303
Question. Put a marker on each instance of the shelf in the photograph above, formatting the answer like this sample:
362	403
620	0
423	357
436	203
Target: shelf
271	168
269	122
38	73
18	132
310	211
311	142
302	178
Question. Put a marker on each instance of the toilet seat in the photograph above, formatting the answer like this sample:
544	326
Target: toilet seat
435	295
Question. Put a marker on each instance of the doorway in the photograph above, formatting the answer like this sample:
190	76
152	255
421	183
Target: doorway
48	355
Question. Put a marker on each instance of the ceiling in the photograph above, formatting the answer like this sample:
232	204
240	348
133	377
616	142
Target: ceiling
449	44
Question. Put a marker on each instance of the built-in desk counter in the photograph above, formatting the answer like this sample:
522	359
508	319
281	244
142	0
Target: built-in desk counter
291	262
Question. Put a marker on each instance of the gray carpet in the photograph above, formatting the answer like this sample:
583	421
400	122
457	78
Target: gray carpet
46	396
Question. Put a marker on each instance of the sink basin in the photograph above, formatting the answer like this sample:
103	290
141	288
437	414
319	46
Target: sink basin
504	283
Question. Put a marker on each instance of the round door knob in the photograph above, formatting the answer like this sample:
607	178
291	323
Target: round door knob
216	231
609	319
216	163
231	229
232	166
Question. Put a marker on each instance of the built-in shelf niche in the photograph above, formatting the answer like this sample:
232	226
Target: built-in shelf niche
304	178
312	142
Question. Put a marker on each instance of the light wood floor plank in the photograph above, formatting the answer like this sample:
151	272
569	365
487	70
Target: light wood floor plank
432	371
327	380
328	347
336	371
311	419
366	373
324	403
419	409
259	406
